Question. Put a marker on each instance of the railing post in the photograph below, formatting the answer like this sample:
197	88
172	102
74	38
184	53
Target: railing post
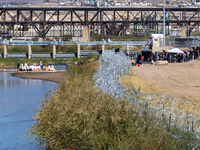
78	50
103	48
54	51
127	48
5	51
29	51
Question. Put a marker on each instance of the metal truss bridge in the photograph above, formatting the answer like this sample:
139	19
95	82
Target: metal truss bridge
62	22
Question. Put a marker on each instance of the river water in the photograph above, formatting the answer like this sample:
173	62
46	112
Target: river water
18	98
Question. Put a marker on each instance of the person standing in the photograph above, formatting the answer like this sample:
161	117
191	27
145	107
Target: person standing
21	67
18	65
27	68
25	65
67	66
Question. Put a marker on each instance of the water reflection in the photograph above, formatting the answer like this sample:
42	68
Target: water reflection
17	99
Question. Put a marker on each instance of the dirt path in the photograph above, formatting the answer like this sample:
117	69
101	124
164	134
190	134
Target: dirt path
176	79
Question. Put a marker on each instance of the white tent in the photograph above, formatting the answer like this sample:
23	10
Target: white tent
175	50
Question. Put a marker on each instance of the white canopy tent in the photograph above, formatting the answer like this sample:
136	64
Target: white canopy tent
175	50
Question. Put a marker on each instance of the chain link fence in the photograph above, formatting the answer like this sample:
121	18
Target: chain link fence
180	42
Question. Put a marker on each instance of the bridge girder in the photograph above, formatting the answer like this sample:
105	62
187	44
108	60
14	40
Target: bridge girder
58	22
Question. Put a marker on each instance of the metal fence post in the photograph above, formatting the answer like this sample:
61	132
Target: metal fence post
170	120
163	111
188	125
192	126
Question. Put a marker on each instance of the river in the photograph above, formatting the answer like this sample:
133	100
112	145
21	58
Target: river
18	98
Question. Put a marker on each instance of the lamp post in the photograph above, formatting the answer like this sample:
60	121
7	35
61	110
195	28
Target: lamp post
164	22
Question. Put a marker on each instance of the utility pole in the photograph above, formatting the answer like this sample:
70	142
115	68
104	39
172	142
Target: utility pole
164	22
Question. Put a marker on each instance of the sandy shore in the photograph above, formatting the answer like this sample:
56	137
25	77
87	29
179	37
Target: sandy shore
48	76
176	79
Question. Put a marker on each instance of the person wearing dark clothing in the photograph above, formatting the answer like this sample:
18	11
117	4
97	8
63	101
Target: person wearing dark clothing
18	65
67	66
139	61
154	57
80	63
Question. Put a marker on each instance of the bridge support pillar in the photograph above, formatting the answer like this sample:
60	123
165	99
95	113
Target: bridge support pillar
127	48
29	51
5	51
79	51
41	39
54	51
86	35
103	48
183	31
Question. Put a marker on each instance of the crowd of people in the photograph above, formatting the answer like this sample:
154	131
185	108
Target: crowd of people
35	67
186	56
176	57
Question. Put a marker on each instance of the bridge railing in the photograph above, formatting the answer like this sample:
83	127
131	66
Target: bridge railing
17	55
114	43
65	55
89	43
41	55
50	55
87	52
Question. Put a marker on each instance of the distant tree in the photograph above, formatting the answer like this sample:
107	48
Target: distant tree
67	37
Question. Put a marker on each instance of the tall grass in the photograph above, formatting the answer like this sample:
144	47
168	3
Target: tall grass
79	116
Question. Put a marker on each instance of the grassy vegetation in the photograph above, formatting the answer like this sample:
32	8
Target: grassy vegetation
78	116
140	84
195	34
41	49
12	62
99	47
99	37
